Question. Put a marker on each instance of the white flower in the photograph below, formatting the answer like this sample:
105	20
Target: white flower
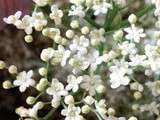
101	108
127	48
47	54
90	83
72	113
89	100
119	73
76	2
118	78
56	89
137	60
73	83
153	108
39	20
62	55
134	33
91	59
34	110
101	8
97	36
27	24
94	59
24	80
41	3
12	19
80	44
76	11
154	87
56	14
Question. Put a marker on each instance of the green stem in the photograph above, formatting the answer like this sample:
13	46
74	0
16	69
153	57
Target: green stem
92	22
50	113
47	67
110	16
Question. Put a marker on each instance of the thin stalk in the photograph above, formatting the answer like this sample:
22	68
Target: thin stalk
50	113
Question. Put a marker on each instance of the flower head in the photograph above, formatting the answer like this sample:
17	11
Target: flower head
24	80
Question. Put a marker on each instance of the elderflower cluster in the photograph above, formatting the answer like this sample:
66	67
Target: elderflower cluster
100	60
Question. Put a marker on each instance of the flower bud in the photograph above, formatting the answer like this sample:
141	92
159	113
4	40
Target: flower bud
39	105
46	54
45	32
135	107
38	27
86	109
85	30
89	100
43	71
111	111
2	64
100	89
74	24
64	41
132	118
137	95
7	84
132	19
134	86
28	38
30	100
42	84
118	35
69	34
55	103
58	39
12	69
69	99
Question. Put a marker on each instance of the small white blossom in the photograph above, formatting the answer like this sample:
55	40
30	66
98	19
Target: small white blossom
127	48
153	108
90	83
76	11
101	7
101	108
134	33
12	19
41	3
56	89
119	73
56	14
137	60
80	44
97	36
24	80
73	83
72	113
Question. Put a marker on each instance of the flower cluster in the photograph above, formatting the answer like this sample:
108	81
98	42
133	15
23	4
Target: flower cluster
98	58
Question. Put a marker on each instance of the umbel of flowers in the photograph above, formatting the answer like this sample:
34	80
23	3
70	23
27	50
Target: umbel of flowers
99	52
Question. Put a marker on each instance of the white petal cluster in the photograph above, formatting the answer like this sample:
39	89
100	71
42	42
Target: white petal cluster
91	83
101	8
56	14
134	33
27	23
119	74
41	3
72	113
56	89
24	80
73	83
